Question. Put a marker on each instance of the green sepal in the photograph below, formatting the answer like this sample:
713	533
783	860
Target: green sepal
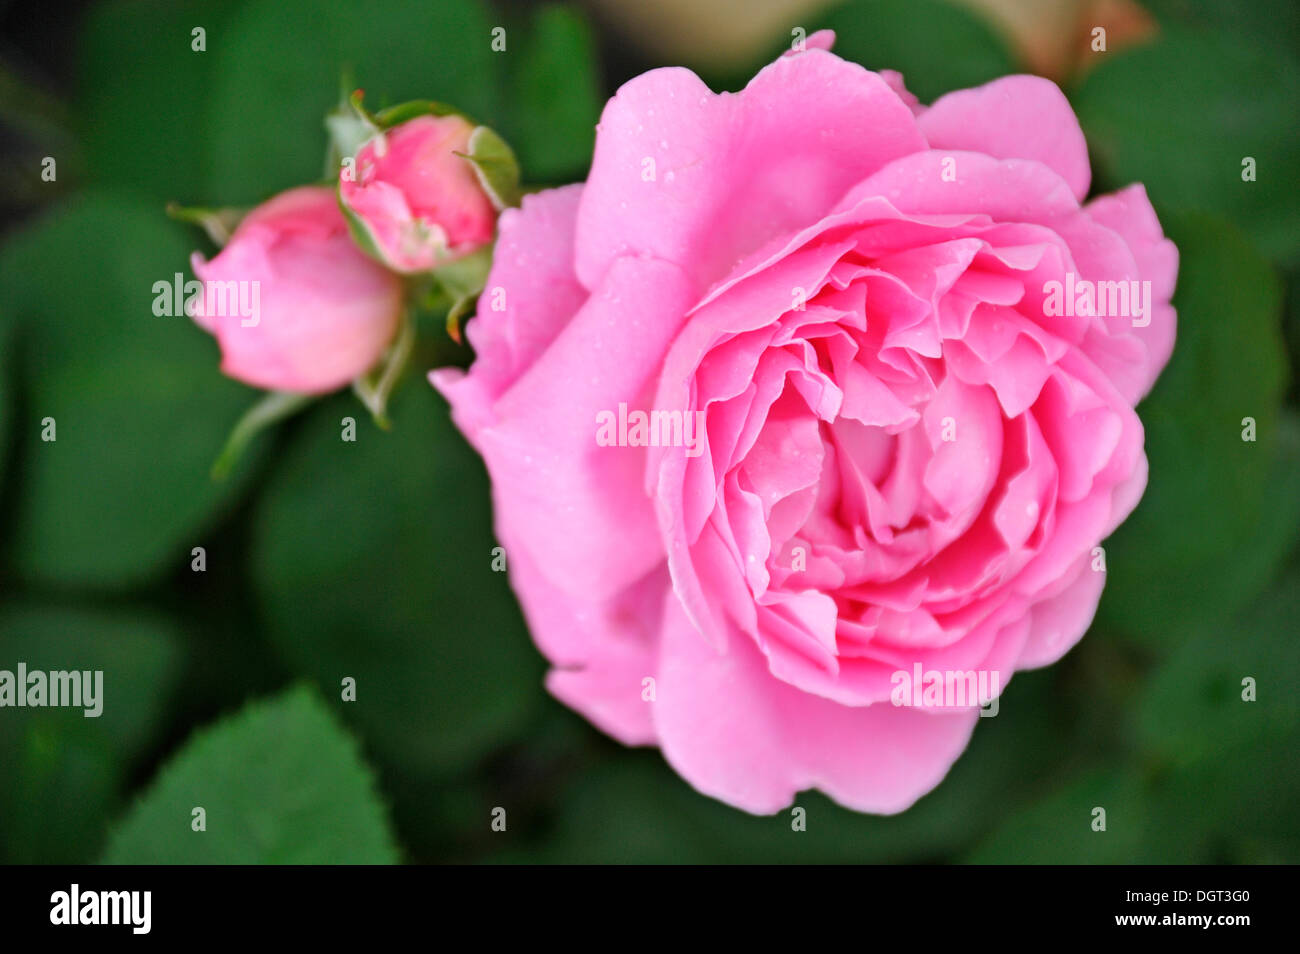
220	224
461	282
375	386
270	410
458	308
392	116
360	232
350	127
496	167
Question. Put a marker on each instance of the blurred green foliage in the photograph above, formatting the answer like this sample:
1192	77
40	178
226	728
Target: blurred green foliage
65	774
1166	564
937	46
328	561
1183	113
124	488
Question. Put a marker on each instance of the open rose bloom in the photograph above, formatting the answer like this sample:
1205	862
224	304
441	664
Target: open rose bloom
907	454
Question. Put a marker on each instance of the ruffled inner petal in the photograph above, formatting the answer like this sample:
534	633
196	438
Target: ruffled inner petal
905	441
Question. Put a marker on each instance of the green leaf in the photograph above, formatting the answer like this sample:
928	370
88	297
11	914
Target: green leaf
1181	114
1226	785
1194	708
959	47
1213	777
373	560
280	782
1059	829
65	773
1272	22
139	407
1241	806
277	67
144	93
552	99
1212	526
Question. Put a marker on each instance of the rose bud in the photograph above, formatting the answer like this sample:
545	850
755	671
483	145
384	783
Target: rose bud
292	301
415	199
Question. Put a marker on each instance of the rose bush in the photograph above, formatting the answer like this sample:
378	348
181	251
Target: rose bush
324	311
908	457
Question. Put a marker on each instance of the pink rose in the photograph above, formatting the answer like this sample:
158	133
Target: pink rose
292	301
419	203
910	442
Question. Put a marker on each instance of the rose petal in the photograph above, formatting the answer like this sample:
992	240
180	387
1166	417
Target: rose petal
729	171
737	733
1015	117
549	474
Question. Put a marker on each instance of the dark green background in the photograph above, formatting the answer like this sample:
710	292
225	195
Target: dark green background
371	560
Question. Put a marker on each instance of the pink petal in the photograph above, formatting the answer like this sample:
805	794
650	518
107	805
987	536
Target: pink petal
732	170
1056	624
894	80
1015	117
550	476
1129	214
603	649
532	276
738	734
